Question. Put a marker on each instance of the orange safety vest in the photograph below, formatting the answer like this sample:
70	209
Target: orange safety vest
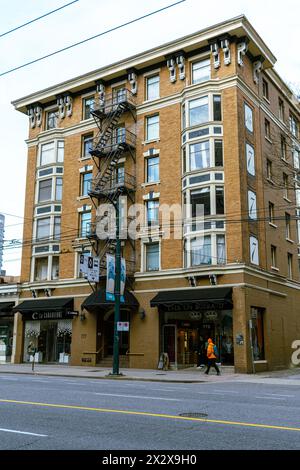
210	351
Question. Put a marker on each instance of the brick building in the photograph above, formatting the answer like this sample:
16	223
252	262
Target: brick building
203	120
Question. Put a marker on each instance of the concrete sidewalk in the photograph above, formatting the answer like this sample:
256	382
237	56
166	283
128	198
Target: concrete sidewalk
190	375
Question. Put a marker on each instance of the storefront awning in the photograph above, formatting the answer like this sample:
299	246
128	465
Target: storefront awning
219	298
97	300
46	309
6	309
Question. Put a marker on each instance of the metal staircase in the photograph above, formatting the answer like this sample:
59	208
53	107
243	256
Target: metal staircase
108	147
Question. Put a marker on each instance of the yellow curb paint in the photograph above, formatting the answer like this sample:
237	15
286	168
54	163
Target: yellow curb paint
156	415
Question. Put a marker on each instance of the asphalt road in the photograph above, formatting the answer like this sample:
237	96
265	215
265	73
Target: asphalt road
47	413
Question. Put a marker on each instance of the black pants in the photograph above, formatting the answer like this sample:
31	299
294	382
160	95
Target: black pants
212	362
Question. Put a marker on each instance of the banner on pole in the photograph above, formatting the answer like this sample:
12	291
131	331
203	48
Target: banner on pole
110	278
83	264
123	279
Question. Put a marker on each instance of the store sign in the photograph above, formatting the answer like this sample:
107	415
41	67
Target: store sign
48	315
123	326
211	315
89	267
201	306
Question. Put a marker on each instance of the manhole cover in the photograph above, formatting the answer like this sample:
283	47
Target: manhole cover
194	415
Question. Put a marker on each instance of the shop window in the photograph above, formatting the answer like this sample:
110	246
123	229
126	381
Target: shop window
257	333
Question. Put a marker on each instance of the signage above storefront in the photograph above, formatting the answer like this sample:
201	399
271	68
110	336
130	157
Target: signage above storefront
199	307
54	315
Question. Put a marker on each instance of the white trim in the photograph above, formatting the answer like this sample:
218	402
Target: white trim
152	72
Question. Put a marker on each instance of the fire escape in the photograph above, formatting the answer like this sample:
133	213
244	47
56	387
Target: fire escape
111	145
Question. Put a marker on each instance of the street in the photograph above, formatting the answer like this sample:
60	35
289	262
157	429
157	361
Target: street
47	413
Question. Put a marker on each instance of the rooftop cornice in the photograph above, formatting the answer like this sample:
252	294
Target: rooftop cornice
238	27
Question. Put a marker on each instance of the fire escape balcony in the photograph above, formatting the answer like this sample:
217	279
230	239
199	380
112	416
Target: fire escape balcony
112	186
121	99
123	141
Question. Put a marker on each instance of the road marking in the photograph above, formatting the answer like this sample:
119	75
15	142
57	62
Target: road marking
270	398
8	378
156	415
136	396
278	395
23	432
163	389
224	391
209	393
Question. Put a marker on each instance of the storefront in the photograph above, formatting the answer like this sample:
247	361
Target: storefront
47	329
189	317
97	304
6	331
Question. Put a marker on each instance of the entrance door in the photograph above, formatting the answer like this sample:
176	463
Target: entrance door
169	342
187	341
3	343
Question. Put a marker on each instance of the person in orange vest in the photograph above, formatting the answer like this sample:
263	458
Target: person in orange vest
211	356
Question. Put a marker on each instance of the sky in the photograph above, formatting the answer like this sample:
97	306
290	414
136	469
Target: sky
277	23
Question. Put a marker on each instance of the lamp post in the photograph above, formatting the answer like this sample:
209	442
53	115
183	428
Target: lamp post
117	292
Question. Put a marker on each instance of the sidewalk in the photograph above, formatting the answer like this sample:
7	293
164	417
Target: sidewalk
190	375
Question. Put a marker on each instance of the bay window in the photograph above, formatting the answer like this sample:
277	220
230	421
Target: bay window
199	155
198	111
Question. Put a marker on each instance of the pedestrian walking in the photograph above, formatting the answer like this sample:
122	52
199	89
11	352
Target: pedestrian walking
211	356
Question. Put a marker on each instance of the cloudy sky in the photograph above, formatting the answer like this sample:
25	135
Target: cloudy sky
277	22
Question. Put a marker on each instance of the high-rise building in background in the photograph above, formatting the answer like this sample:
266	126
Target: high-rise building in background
2	223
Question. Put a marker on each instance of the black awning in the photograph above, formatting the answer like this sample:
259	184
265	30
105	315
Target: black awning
6	309
195	299
98	300
52	304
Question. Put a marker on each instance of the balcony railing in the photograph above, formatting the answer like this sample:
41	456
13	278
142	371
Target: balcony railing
121	140
110	103
117	183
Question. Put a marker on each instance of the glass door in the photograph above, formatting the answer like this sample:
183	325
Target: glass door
169	343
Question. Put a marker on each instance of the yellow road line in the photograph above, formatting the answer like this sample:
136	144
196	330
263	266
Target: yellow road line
157	415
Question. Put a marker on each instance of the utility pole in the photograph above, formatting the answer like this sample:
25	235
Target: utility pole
117	292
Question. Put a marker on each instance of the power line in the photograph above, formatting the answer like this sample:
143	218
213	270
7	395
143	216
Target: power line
38	18
90	38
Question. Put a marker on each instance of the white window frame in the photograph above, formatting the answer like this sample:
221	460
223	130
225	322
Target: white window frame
147	79
56	144
144	255
148	118
248	117
250	157
194	62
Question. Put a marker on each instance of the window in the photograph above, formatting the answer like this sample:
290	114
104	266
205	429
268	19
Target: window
201	71
152	169
265	89
257	333
119	95
152	87
152	127
45	190
218	152
269	170
200	201
41	269
273	256
84	224
52	153
287	226
47	153
43	228
221	254
120	174
296	157
285	186
293	125
248	118
217	108
201	251
57	228
219	200
254	256
199	156
198	111
252	205
87	144
152	257
250	159
267	129
86	179
153	212
88	104
283	148
58	189
290	265
271	213
281	109
51	120
120	135
55	267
